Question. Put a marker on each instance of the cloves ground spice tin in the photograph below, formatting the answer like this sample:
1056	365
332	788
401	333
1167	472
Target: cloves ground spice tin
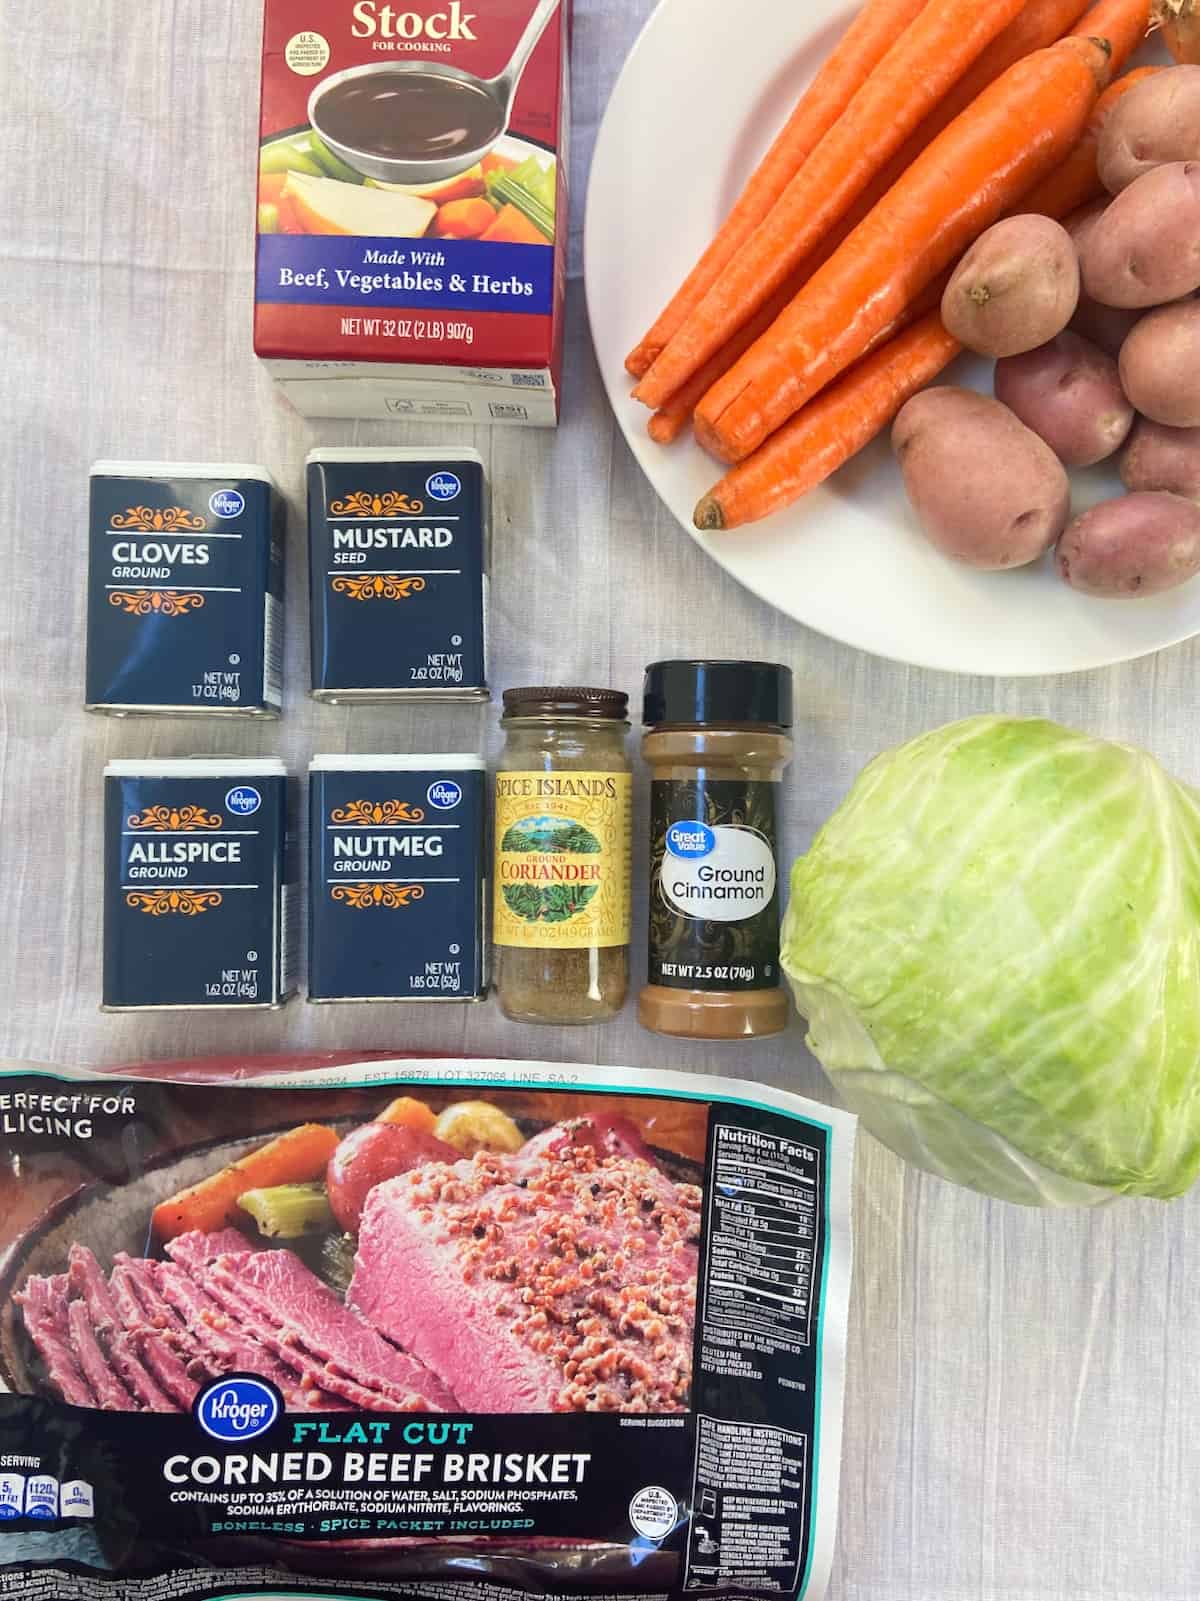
200	885
185	590
398	554
397	879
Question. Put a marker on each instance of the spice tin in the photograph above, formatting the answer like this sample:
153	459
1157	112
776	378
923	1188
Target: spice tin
398	544
185	590
397	882
200	885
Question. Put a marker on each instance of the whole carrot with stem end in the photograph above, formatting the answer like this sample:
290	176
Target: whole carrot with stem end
1017	131
863	46
844	419
925	61
1038	24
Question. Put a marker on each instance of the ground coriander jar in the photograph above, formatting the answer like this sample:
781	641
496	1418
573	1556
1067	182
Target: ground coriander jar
561	889
717	743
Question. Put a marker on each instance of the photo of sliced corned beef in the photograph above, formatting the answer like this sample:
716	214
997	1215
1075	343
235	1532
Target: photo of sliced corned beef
145	1336
43	1302
278	1287
561	1278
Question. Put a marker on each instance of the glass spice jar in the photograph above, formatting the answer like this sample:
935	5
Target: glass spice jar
717	745
561	889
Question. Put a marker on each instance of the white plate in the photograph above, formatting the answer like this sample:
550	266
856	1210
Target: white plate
701	96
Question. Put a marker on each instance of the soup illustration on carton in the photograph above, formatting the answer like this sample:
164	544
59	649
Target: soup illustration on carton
412	207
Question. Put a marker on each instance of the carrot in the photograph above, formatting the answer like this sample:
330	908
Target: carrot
1124	23
917	71
834	427
297	1157
1021	127
513	227
860	50
408	1112
1077	180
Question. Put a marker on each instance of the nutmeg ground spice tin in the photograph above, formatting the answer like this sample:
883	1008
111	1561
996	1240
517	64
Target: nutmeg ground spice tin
185	590
397	879
200	885
398	570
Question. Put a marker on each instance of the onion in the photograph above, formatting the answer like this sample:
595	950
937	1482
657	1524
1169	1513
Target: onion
1180	24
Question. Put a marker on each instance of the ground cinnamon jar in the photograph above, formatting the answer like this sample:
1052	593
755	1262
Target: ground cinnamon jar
562	856
717	745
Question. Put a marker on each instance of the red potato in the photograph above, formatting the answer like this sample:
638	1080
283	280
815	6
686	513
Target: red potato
1015	288
1160	365
1157	122
1105	326
987	490
369	1155
1162	458
1069	393
1145	249
1141	544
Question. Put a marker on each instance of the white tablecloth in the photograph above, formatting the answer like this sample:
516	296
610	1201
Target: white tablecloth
1023	1414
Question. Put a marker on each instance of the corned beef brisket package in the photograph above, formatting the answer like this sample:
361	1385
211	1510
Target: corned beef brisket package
390	1327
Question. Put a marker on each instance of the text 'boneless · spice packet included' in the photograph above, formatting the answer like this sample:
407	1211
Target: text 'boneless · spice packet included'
393	1328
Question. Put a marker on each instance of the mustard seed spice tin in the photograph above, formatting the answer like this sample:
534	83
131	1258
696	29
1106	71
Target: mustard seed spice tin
185	590
200	891
397	880
398	556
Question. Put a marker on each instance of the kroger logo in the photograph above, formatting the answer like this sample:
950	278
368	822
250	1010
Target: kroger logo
691	840
443	486
243	800
227	503
445	794
237	1409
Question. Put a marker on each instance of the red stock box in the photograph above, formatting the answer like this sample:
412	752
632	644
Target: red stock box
412	207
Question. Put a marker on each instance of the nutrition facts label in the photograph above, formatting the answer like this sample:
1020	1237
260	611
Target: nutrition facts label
763	1216
747	1499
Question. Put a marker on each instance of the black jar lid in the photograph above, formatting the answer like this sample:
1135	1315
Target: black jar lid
563	700
718	693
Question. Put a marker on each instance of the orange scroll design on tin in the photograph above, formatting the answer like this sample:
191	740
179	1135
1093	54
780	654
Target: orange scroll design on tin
378	586
159	520
171	902
376	814
175	819
363	897
146	602
363	503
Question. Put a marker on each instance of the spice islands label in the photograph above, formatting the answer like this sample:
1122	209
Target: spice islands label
562	860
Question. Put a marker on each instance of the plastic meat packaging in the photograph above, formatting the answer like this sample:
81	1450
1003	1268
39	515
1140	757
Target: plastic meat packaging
395	1328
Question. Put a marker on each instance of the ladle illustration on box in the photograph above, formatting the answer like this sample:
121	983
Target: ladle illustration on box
417	122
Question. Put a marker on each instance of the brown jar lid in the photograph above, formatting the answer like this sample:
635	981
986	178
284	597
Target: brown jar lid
559	700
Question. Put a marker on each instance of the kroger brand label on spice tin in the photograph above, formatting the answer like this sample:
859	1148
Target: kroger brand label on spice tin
200	885
397	878
714	904
562	859
185	590
398	574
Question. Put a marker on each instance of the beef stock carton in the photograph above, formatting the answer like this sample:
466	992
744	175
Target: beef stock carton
412	208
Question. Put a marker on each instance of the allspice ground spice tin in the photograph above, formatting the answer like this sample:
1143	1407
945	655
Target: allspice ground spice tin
200	885
398	569
185	590
397	879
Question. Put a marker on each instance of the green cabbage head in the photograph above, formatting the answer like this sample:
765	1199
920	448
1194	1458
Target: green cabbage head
996	943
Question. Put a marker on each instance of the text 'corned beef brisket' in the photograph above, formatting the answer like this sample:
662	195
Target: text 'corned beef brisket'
562	1278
